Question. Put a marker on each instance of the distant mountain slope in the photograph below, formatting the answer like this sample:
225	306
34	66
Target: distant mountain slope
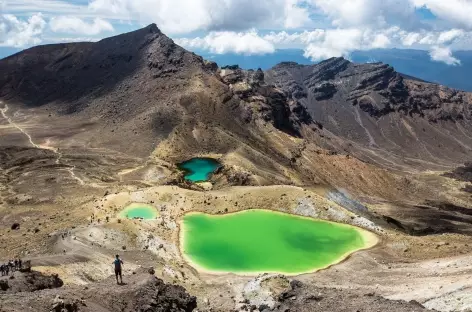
397	120
418	63
415	63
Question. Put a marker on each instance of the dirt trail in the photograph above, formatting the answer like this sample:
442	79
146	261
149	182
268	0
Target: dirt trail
56	151
11	122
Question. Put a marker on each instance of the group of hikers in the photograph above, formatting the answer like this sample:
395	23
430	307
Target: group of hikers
17	264
11	266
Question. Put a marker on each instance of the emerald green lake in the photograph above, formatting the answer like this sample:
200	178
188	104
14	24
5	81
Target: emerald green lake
256	241
199	169
142	211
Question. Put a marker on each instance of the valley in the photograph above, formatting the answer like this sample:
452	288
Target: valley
108	148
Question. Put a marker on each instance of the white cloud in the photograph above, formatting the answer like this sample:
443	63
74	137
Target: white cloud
51	8
380	41
320	44
230	42
443	54
447	37
340	42
324	43
427	38
410	38
75	25
295	16
455	12
20	33
184	16
362	13
324	28
284	39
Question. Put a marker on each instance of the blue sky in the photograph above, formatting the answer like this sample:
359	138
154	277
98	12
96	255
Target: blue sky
321	28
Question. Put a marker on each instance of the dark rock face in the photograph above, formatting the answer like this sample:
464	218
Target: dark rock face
305	298
463	173
159	297
142	293
388	90
29	281
301	113
272	104
324	91
375	106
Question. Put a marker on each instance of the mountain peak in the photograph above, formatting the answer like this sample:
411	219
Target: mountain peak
152	28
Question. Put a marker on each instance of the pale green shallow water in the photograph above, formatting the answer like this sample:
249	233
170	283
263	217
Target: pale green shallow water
139	211
199	169
266	241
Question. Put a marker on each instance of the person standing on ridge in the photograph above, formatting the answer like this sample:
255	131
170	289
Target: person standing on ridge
118	269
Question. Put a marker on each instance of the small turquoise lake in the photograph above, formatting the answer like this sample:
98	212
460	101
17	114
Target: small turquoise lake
139	211
199	169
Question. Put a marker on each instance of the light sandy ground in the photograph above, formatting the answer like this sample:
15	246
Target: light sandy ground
386	270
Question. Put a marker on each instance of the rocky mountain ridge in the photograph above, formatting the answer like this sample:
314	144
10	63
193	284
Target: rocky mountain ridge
374	107
392	92
142	83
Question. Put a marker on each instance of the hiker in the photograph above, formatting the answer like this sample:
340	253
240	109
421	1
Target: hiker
118	266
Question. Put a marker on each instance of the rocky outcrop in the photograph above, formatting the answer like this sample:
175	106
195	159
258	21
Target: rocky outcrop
304	298
463	173
267	102
324	91
142	292
29	282
376	88
157	296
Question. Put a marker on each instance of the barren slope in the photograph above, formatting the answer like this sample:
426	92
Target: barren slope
384	117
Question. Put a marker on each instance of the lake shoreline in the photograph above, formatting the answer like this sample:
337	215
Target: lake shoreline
370	240
152	210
